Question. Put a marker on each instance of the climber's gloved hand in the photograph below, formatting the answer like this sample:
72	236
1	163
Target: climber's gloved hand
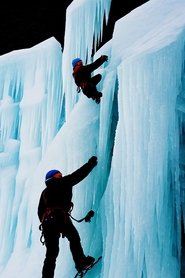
93	161
104	58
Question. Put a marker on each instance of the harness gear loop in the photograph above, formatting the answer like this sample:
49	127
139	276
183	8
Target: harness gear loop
42	235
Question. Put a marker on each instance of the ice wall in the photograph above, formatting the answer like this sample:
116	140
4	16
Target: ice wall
136	132
31	83
32	112
142	197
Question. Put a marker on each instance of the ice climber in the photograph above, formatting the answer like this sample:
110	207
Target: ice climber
83	79
54	214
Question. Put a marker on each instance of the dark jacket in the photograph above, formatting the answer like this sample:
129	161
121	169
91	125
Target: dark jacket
82	73
58	193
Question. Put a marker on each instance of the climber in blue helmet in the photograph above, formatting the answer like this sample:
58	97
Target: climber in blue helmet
54	214
84	81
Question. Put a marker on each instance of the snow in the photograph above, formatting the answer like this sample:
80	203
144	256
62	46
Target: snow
136	132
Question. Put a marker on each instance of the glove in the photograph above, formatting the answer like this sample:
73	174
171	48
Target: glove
104	57
93	161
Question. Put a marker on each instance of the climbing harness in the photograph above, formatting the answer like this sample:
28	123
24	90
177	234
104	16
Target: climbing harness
48	215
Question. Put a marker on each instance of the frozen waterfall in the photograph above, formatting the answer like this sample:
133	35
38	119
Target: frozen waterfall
137	132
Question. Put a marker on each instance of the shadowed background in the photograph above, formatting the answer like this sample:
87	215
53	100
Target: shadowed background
25	26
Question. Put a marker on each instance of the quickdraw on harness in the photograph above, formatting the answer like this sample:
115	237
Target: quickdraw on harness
78	89
48	215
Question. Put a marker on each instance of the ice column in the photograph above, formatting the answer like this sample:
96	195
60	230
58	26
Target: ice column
143	189
30	117
84	23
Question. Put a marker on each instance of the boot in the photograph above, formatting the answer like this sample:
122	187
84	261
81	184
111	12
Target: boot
97	97
85	263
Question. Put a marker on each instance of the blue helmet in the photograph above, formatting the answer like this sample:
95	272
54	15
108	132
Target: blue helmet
75	61
50	174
